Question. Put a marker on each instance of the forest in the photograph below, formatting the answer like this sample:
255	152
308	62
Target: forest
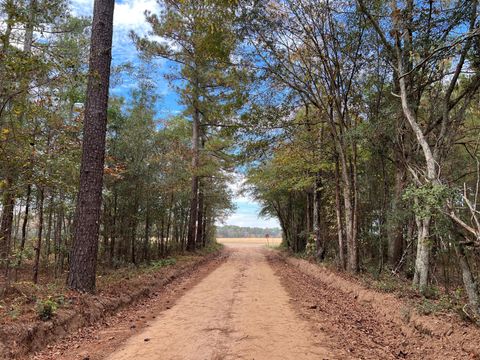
355	123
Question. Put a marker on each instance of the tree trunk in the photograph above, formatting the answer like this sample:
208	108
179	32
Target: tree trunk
57	239
204	227
468	281
192	223
339	217
24	226
395	233
422	261
317	218
169	225
161	238
49	229
16	226
113	229
146	241
423	246
310	210
199	239
133	238
38	246
28	41
349	215
83	258
6	224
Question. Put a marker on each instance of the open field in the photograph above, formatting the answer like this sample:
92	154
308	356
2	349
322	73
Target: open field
251	241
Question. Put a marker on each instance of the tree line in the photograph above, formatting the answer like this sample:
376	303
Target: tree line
233	231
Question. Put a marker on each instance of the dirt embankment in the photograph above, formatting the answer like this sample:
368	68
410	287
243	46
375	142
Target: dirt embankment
364	324
18	340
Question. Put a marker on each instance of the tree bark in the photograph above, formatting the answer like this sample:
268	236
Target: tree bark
113	230
317	218
146	240
468	280
83	258
57	239
310	210
49	229
38	246
200	215
24	225
6	225
192	222
395	233
339	217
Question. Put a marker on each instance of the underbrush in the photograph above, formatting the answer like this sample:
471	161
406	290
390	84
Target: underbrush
26	301
434	300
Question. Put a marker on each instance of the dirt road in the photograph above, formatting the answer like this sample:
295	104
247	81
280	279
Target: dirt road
239	311
253	303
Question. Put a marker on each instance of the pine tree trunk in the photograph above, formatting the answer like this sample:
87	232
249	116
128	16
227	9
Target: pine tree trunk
83	259
204	228
24	225
133	238
49	229
16	226
57	239
169	226
193	217
6	225
161	238
38	246
147	235
113	230
199	237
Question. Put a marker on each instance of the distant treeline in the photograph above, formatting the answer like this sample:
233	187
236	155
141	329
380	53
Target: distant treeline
232	231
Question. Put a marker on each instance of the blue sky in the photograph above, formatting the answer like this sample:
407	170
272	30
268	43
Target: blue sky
129	15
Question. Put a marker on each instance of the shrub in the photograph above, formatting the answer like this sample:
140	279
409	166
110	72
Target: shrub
46	308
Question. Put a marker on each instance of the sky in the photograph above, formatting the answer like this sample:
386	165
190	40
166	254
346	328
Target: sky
129	15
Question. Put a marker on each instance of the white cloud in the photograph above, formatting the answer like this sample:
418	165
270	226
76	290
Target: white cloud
128	14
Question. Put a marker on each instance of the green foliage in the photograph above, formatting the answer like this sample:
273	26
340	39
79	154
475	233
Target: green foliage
427	198
163	262
386	285
46	308
311	247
